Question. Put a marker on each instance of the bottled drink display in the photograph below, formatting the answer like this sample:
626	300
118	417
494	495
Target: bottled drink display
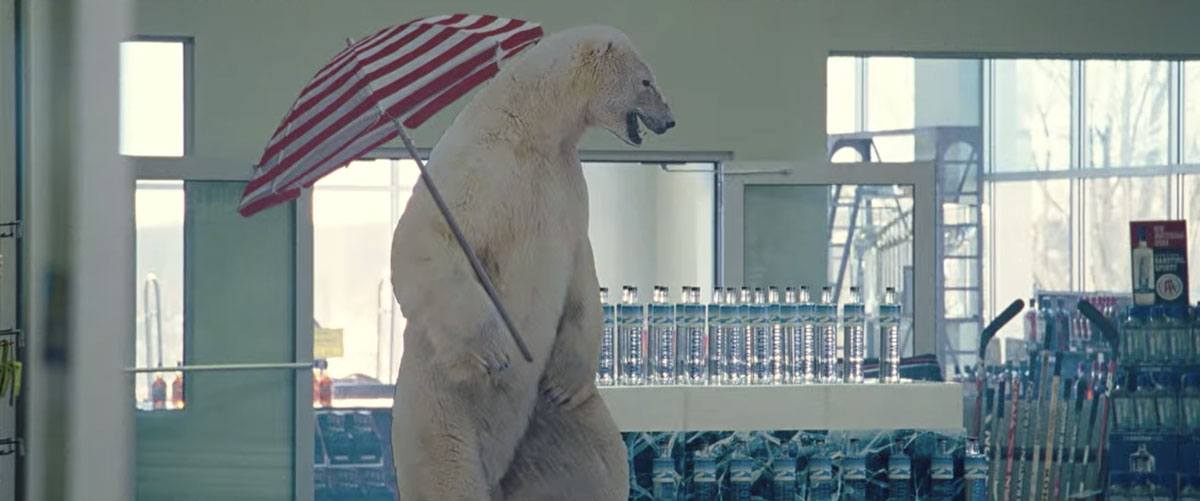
854	472
899	474
606	369
665	479
783	478
743	337
826	319
975	472
941	472
889	338
820	474
662	340
632	341
854	340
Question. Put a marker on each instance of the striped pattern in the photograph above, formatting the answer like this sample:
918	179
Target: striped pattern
412	71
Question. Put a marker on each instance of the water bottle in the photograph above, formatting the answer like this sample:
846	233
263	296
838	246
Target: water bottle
789	320
1179	335
665	479
741	476
717	343
1190	402
738	350
1062	330
704	477
820	473
663	348
975	473
694	358
1146	402
1124	408
606	370
941	473
1166	395
1196	335
1132	347
1156	336
783	478
899	474
854	340
889	338
807	349
762	369
632	345
827	360
854	473
778	326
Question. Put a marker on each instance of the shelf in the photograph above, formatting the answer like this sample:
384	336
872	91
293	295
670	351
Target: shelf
916	405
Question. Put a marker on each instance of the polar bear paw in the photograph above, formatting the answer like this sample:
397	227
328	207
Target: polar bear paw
560	394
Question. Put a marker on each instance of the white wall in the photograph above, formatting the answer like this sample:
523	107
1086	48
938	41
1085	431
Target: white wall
746	77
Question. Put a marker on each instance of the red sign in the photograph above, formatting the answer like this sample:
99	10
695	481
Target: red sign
1158	265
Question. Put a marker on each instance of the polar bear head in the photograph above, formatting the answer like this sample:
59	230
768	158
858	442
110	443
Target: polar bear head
604	74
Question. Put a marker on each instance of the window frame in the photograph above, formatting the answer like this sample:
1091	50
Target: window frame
188	124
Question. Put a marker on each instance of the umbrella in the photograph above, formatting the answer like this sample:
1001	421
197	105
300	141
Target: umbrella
370	92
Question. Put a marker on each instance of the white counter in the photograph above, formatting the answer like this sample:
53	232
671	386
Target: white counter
917	405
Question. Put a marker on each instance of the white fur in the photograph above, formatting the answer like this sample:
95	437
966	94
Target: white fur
508	168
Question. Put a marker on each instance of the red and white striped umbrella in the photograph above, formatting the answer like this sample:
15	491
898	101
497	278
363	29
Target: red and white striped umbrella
399	75
374	88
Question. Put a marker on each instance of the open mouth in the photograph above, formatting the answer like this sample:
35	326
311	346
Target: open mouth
633	131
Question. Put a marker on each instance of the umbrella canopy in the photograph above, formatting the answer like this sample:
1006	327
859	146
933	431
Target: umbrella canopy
398	76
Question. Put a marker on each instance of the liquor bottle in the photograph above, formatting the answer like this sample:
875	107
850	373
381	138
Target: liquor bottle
889	338
606	369
1143	271
854	340
1031	322
158	393
177	400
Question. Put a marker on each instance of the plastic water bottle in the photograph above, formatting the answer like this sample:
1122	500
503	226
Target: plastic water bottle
789	318
762	367
663	348
778	325
1124	408
694	357
738	349
820	473
975	471
1062	327
1179	335
1156	336
606	370
1166	395
783	478
1133	337
889	338
827	360
632	345
899	474
854	472
704	477
806	351
941	472
1189	399
1146	401
717	359
665	479
741	476
854	328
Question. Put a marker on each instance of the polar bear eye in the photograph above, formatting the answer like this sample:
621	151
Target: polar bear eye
645	83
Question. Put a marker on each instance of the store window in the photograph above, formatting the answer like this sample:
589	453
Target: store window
650	225
890	104
1126	106
159	213
153	98
1191	112
1109	205
1032	114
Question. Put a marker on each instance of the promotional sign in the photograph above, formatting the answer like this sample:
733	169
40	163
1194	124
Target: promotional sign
327	343
1159	262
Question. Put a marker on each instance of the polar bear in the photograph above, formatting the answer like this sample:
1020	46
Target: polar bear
467	423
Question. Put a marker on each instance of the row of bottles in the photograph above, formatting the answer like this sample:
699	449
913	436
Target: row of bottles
158	392
1158	401
1056	324
1160	335
743	337
762	466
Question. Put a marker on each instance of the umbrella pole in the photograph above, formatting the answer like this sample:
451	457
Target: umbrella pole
480	274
